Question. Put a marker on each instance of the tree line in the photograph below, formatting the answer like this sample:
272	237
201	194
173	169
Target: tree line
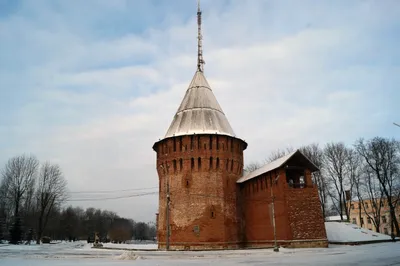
32	199
366	171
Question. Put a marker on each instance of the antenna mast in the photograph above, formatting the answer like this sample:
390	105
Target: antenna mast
200	61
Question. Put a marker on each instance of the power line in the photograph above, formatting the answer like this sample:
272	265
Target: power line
118	197
109	191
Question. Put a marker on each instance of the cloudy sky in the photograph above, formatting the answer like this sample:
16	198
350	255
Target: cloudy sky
91	85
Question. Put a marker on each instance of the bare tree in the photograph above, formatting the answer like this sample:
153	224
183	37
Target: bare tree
373	193
316	155
383	158
51	192
4	211
251	167
358	191
278	154
19	177
336	159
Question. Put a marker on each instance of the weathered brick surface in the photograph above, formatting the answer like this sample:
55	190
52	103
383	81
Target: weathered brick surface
257	218
299	221
305	214
204	196
202	183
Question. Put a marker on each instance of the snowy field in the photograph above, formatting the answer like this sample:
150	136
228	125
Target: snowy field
348	232
131	246
80	253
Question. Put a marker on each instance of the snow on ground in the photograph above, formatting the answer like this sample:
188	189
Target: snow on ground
131	246
341	232
80	253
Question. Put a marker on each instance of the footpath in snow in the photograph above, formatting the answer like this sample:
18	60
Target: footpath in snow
136	246
65	254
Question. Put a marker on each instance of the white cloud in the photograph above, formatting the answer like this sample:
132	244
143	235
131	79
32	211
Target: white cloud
278	85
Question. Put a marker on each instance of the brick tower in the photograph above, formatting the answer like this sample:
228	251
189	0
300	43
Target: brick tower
198	163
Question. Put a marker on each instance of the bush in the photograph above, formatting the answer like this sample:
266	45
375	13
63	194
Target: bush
46	240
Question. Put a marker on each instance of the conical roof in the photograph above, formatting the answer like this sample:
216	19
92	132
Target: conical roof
199	112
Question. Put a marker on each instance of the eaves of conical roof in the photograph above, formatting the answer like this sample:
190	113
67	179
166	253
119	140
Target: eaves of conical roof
199	112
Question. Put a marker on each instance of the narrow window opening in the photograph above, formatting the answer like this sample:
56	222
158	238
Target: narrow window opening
217	143
302	182
205	146
199	163
163	169
232	166
217	163
174	144
174	162
180	143
180	164
211	162
187	183
210	142
212	214
191	142
227	164
192	163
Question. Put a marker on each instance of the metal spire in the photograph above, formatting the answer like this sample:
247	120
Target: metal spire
200	61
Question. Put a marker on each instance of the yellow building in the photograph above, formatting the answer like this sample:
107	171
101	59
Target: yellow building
367	215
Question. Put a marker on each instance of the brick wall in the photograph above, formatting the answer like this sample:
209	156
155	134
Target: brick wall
304	212
299	221
202	171
257	218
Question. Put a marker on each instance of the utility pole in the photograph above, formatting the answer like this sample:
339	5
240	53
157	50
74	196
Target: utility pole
276	248
167	205
167	215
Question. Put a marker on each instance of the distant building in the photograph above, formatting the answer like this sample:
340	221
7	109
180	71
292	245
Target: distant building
367	215
206	203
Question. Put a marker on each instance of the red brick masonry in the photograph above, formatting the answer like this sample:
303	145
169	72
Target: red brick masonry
209	210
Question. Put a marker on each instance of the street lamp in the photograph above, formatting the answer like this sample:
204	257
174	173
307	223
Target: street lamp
276	248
